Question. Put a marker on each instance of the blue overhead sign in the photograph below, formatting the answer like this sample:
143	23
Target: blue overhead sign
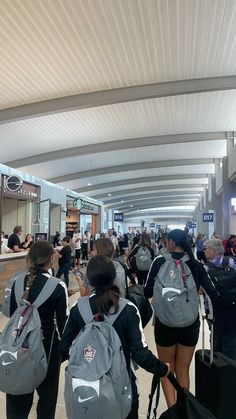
191	224
208	217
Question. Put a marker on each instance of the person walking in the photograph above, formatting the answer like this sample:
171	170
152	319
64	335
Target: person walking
39	261
176	345
105	298
64	260
140	258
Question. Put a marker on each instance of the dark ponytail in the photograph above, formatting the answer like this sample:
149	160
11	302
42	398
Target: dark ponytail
101	274
39	257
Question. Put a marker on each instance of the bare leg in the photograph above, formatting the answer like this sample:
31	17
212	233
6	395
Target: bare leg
184	356
168	354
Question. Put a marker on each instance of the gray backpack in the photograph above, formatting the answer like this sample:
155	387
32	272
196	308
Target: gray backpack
97	383
120	279
143	259
23	362
175	296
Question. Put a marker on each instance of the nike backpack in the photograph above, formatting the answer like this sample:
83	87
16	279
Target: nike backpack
175	296
143	259
97	383
23	362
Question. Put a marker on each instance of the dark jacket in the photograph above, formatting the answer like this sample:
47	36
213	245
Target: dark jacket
128	327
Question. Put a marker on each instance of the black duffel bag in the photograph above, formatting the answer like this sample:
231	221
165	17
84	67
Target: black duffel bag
186	407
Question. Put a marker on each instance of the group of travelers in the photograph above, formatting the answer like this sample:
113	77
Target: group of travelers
173	280
13	244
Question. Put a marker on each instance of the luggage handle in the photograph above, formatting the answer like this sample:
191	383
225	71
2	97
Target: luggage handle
203	339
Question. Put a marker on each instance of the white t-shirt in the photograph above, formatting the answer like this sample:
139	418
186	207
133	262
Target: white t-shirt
77	243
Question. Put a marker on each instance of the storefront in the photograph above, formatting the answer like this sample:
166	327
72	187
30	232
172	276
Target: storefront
18	204
81	214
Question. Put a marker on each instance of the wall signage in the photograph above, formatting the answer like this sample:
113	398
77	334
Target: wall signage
208	217
14	186
13	183
80	204
118	216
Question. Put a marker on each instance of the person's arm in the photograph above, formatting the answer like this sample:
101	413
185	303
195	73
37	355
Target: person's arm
72	329
207	284
148	289
138	346
152	252
132	253
17	248
61	307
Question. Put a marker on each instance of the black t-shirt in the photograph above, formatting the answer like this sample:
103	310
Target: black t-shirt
13	241
66	255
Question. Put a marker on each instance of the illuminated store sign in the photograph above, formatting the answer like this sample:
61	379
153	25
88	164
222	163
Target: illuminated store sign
14	186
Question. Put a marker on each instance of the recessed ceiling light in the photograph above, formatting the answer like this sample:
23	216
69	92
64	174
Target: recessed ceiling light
122	202
131	206
89	184
109	194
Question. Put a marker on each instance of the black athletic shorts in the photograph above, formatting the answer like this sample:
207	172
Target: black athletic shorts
77	253
169	336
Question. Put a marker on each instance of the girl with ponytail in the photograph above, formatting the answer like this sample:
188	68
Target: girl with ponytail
39	261
176	345
101	275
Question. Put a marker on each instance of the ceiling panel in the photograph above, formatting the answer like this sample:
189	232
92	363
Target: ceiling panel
155	184
52	49
207	149
201	112
83	183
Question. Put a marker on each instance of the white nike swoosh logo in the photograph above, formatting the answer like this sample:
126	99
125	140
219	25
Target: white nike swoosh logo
6	363
170	299
80	400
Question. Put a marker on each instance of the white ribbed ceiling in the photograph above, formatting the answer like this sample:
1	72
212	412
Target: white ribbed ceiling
52	50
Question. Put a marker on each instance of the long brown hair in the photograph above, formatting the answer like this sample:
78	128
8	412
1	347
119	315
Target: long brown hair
104	247
144	240
39	257
101	274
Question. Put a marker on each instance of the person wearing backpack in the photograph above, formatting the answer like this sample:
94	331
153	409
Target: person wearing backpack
93	361
222	271
174	281
141	257
104	246
34	280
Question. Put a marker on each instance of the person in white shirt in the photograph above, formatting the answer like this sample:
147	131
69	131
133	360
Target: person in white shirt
114	240
77	240
4	247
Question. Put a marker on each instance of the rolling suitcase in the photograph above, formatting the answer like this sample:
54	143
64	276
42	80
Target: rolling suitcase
215	380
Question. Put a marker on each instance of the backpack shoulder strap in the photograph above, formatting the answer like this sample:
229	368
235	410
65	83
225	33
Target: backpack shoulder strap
225	262
185	258
210	265
126	269
111	318
84	307
19	282
47	291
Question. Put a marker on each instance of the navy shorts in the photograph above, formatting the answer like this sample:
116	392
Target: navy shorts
77	253
170	336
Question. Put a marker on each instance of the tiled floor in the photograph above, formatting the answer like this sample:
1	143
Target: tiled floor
144	378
